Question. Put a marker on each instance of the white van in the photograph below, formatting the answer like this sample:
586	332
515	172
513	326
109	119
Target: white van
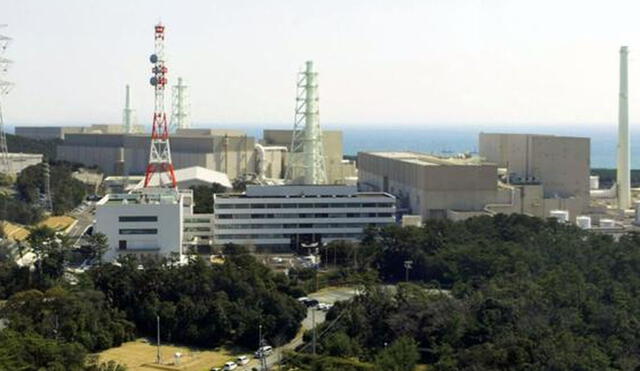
242	360
264	351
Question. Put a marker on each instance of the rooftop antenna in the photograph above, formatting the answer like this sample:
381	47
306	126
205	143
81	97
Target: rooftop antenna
5	87
306	159
623	173
127	112
160	151
180	112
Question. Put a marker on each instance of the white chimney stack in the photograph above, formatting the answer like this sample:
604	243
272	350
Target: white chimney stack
624	173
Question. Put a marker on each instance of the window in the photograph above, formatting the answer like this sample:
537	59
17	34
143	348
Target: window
140	218
197	229
122	245
138	231
225	216
289	206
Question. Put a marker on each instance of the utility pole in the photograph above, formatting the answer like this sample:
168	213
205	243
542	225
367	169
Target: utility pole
315	331
158	339
408	264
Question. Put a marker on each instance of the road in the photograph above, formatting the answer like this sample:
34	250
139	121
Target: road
84	216
328	295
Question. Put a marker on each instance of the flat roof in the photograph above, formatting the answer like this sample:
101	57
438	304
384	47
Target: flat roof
424	159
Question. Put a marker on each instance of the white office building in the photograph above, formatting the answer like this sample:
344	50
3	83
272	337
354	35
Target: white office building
144	223
287	216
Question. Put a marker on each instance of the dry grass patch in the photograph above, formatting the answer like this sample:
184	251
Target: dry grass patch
141	355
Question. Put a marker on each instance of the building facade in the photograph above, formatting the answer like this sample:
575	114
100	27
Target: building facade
284	217
426	185
554	169
144	224
337	169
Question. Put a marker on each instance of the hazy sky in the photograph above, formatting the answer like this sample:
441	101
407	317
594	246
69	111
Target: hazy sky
403	62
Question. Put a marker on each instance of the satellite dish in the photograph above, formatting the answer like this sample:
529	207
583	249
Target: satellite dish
153	81
153	58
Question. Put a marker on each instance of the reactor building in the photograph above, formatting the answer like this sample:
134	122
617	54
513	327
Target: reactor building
515	173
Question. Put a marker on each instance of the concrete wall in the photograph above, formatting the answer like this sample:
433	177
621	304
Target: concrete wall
45	132
561	164
333	152
231	155
428	189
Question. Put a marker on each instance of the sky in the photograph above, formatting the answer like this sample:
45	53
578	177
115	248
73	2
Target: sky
386	63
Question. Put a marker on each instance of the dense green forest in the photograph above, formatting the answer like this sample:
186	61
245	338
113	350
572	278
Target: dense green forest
48	147
503	292
56	321
525	294
203	304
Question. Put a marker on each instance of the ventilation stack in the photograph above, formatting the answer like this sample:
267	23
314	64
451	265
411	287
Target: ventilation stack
180	112
623	172
127	113
306	158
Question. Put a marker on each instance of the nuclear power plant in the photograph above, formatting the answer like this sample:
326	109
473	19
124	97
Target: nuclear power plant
294	188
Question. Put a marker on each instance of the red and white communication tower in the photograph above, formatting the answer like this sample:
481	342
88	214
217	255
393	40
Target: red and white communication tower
160	154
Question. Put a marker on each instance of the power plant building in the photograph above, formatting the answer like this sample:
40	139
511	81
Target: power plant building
560	165
427	185
144	224
337	169
284	217
230	152
515	173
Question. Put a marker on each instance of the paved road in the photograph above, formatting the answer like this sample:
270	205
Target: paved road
84	219
328	295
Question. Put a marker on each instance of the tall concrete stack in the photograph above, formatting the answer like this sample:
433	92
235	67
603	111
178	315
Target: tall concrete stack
623	172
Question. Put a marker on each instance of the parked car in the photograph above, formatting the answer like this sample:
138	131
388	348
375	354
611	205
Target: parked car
309	302
216	369
264	351
324	307
242	360
230	366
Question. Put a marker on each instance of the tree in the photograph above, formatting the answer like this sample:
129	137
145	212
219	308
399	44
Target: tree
97	245
51	251
401	355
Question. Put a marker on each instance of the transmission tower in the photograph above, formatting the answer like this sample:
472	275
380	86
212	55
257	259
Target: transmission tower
306	159
160	152
47	202
5	87
180	110
128	113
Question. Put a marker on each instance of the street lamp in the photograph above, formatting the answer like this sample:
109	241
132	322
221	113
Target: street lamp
408	264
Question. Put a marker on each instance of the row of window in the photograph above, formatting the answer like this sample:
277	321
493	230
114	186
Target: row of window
286	235
302	205
295	225
197	229
138	231
196	220
304	216
138	218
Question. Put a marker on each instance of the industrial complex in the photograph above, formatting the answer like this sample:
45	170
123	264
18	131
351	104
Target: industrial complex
294	188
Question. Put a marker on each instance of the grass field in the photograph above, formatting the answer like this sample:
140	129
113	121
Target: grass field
141	355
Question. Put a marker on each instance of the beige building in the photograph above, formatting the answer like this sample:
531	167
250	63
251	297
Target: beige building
528	174
230	152
60	132
555	169
427	185
336	167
